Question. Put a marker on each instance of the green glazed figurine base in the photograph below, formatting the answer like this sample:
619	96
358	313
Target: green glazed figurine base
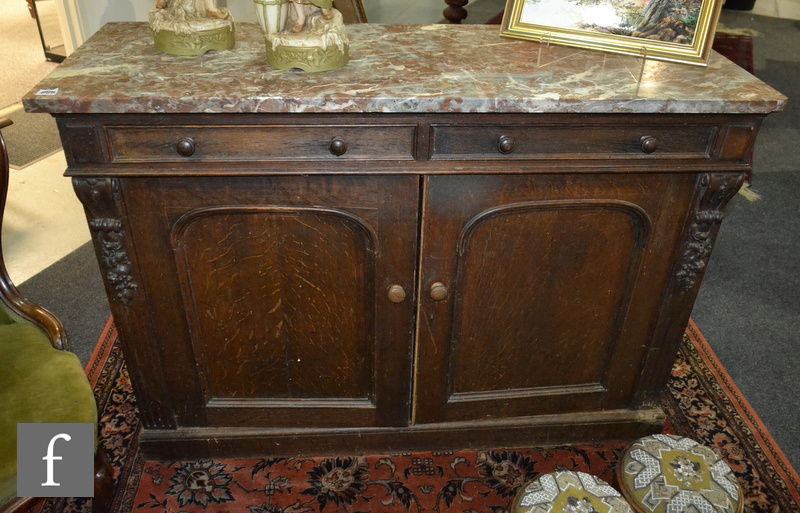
196	43
311	59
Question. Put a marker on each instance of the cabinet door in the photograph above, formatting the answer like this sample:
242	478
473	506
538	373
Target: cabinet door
274	290
537	292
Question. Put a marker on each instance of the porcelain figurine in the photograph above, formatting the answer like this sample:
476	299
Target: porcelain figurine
310	35
191	27
300	8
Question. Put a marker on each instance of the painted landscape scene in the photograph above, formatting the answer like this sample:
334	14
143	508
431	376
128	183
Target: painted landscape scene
671	21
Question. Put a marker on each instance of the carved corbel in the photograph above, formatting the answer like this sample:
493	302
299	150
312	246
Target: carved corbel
715	191
101	198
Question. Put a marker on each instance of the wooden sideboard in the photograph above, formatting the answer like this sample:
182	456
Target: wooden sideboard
414	252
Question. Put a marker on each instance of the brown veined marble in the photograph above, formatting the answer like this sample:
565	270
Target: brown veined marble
393	68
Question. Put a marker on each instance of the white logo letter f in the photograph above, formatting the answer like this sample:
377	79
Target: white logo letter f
49	458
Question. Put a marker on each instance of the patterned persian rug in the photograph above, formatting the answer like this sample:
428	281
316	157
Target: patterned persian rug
701	402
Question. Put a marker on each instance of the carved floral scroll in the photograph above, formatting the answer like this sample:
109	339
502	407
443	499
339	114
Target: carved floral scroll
101	198
715	190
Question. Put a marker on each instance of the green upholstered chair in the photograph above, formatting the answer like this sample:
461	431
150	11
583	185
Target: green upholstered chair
41	381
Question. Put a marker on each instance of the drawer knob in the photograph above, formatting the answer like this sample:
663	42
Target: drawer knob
506	144
648	144
438	291
338	147
396	294
185	147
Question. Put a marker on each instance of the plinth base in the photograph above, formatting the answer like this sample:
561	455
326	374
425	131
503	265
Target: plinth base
196	43
311	59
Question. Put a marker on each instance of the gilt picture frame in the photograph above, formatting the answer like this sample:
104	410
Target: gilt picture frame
667	30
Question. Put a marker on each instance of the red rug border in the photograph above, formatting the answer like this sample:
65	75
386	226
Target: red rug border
746	411
101	352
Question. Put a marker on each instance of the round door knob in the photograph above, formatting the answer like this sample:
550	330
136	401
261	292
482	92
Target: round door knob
338	147
648	144
396	294
185	147
438	291
506	144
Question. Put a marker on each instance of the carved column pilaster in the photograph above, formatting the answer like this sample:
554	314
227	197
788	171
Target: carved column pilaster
103	202
712	193
101	199
715	190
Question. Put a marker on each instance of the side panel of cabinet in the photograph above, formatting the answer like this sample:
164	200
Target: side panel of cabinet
552	285
276	288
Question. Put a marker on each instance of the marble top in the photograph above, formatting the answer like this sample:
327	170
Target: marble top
393	68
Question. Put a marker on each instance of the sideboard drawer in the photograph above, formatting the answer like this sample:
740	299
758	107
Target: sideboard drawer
572	141
259	142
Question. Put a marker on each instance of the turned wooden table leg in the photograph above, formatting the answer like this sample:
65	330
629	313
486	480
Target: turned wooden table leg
103	483
455	12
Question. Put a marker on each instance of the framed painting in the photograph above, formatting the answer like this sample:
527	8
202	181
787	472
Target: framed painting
668	30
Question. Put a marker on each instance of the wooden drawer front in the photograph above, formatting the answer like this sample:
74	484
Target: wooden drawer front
256	142
526	142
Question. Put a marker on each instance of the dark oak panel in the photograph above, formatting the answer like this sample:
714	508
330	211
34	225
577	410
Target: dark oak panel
266	288
554	247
